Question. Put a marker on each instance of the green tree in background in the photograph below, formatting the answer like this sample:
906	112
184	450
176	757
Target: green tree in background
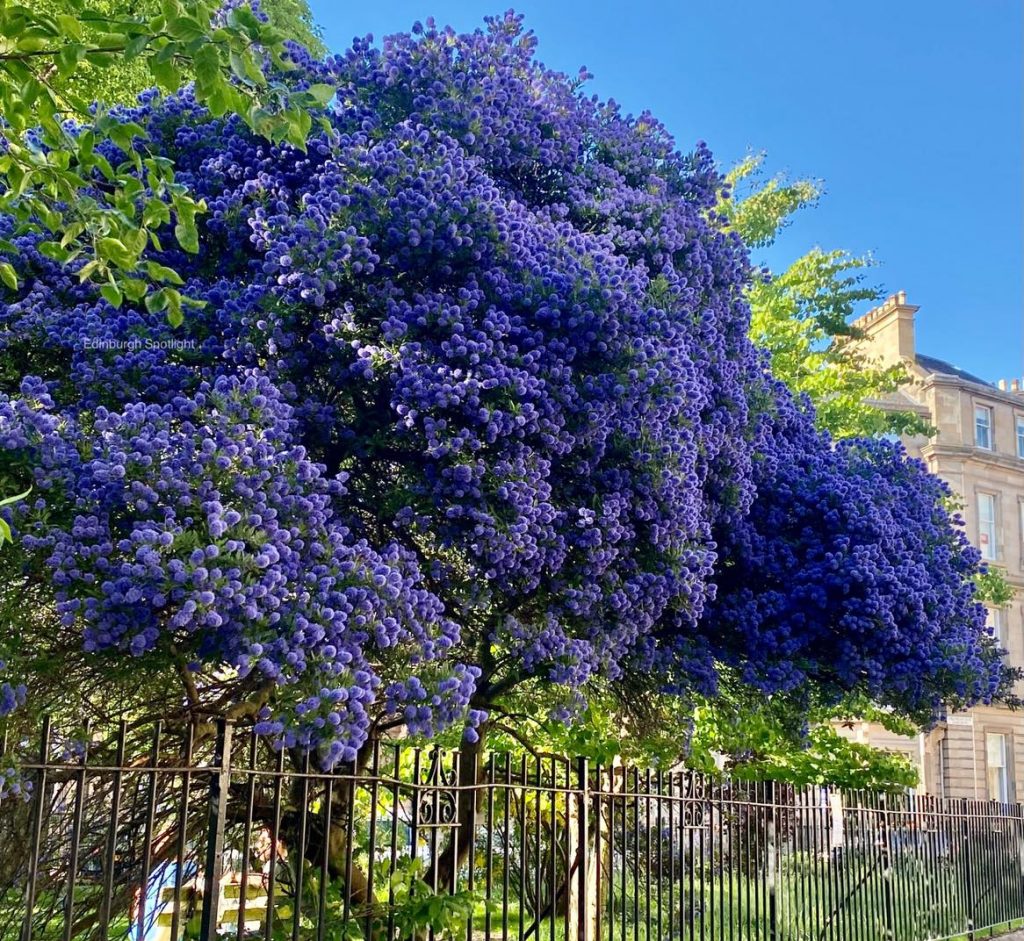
802	315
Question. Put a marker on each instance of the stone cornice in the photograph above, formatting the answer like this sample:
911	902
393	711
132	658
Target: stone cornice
1015	399
1006	462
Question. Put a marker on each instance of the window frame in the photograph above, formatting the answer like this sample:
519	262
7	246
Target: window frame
986	411
996	619
1004	778
1020	519
1018	427
989	548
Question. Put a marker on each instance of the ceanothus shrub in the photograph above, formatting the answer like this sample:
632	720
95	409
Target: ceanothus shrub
848	574
466	398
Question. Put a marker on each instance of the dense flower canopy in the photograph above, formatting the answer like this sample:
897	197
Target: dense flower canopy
469	399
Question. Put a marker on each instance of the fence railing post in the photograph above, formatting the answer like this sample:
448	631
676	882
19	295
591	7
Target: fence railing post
772	864
885	855
220	781
966	808
38	815
583	836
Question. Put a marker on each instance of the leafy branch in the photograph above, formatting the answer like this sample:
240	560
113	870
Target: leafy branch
101	215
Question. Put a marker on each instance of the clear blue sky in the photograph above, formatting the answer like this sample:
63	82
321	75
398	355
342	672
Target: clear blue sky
909	110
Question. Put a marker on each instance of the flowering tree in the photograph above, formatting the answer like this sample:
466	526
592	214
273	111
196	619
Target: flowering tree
469	405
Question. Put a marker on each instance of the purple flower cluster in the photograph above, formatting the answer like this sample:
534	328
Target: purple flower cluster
10	696
15	783
848	573
470	400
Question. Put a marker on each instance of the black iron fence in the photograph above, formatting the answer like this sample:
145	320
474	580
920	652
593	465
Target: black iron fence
205	832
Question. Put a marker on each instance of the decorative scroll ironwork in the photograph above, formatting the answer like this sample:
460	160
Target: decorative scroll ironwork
437	800
694	791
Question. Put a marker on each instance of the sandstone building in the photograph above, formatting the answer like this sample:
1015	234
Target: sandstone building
978	448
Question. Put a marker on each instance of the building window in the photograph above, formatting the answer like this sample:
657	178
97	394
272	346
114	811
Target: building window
995	622
983	427
996	767
1020	436
987	525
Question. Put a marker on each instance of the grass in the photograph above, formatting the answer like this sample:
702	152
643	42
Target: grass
815	900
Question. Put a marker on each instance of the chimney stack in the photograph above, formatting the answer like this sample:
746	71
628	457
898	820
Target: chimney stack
889	330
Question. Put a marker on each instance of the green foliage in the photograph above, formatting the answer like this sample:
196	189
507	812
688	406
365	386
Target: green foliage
102	214
649	731
119	82
993	589
740	733
417	910
763	211
5	527
801	316
758	745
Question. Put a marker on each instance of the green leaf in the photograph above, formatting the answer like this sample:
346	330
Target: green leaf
167	75
112	294
207	66
7	501
134	288
88	269
244	19
156	213
69	57
69	25
299	121
159	272
174	315
10	278
28	43
187	235
55	250
101	58
156	301
116	251
185	28
136	46
321	93
71	232
185	230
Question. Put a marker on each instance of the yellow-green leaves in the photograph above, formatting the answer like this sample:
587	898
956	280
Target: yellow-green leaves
104	214
8	275
767	205
5	528
801	315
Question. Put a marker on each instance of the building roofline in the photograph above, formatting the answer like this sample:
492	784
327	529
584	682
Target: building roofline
973	384
940	367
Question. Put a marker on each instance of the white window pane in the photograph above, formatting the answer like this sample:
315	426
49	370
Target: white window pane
995	621
1020	437
996	770
995	745
987	525
983	427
